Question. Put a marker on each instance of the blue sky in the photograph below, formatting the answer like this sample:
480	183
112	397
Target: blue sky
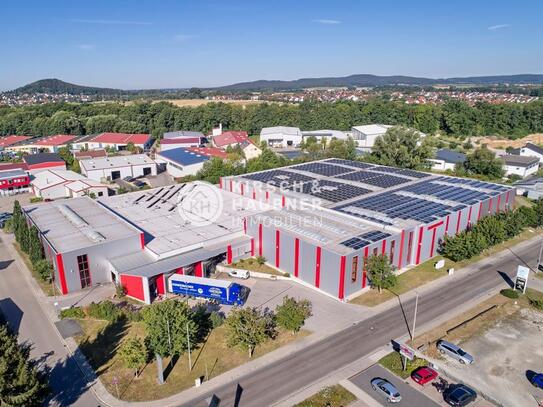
165	43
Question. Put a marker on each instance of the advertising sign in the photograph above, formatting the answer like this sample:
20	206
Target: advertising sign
522	278
407	352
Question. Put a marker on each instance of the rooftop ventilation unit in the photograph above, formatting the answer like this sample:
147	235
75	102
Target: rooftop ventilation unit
73	217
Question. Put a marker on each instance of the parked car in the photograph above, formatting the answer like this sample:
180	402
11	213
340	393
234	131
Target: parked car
424	375
537	380
386	389
244	274
139	184
460	395
129	179
454	351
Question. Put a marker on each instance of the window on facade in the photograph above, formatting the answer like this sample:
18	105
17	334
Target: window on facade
354	271
100	193
375	251
391	256
409	247
84	272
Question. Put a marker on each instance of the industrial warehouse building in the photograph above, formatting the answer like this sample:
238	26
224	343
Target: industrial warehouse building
331	215
318	221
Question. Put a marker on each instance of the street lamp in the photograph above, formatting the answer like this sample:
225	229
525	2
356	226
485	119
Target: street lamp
415	316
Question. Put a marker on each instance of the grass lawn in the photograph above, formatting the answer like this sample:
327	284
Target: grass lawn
47	288
252	265
393	362
333	396
425	272
539	275
101	341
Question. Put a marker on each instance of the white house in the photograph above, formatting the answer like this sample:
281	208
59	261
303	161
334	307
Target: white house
181	162
115	167
325	134
520	165
250	150
446	159
532	150
55	184
281	136
365	135
531	187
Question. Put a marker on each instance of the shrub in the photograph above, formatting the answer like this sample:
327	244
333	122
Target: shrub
510	293
36	199
105	310
536	303
72	312
44	269
260	260
291	314
217	319
120	291
132	315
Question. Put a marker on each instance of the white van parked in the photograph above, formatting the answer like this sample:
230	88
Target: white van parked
244	274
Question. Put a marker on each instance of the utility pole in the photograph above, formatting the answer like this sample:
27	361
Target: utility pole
188	346
415	316
539	258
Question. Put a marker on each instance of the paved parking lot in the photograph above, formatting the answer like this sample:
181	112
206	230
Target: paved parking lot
6	202
504	356
410	395
328	314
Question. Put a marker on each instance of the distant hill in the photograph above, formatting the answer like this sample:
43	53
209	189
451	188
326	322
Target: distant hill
366	80
56	86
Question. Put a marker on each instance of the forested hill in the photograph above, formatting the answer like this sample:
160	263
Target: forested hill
56	86
366	80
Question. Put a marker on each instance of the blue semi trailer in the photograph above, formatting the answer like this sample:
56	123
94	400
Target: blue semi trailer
226	292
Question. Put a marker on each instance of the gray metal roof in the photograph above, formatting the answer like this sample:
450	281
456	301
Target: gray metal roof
450	156
520	160
182	133
534	147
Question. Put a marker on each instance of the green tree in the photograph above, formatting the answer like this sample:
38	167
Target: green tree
492	228
166	325
44	268
21	383
482	161
291	314
35	248
538	209
381	272
133	354
247	328
401	147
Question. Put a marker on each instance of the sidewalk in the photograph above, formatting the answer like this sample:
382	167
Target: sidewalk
108	399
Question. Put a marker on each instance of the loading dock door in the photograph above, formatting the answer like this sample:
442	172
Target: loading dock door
115	174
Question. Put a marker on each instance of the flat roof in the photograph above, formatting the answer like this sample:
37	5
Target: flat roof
78	223
183	156
15	173
102	163
155	211
40	158
121	138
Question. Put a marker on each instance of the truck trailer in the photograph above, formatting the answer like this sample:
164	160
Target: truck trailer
226	292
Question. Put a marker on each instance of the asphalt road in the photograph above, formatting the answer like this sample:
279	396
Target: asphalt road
410	396
274	382
25	316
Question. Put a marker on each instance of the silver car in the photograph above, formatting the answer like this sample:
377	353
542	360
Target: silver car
454	351
386	389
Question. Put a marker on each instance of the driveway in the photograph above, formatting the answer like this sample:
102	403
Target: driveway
6	202
328	313
410	395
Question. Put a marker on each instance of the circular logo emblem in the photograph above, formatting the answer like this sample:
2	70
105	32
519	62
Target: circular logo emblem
199	203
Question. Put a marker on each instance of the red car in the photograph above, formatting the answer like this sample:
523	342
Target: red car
423	375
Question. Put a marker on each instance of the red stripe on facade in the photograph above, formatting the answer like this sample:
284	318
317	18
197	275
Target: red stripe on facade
180	270
318	268
383	247
435	225
480	211
133	286
231	186
490	206
401	250
458	219
220	182
433	245
419	246
142	240
341	292
498	204
242	186
507	200
252	247
267	196
277	247
364	271
161	284
283	201
245	225
198	269
61	276
469	215
447	225
229	254
260	239
254	193
296	257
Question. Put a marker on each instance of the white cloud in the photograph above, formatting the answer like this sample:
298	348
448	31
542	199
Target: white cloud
498	27
182	37
86	47
111	22
328	22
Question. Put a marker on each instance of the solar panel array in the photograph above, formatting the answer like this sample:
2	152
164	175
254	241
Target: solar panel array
321	168
365	239
329	190
402	171
472	183
356	164
397	206
448	192
374	235
279	178
374	178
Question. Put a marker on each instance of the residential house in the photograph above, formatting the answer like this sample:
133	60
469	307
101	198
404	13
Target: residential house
532	150
281	136
520	165
181	162
447	159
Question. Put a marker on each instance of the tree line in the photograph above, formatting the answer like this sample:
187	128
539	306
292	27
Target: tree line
453	117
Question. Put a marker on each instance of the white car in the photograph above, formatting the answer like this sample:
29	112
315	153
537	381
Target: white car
386	389
244	274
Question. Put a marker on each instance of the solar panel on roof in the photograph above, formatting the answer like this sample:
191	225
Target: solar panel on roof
355	243
322	168
356	164
279	178
402	171
329	190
